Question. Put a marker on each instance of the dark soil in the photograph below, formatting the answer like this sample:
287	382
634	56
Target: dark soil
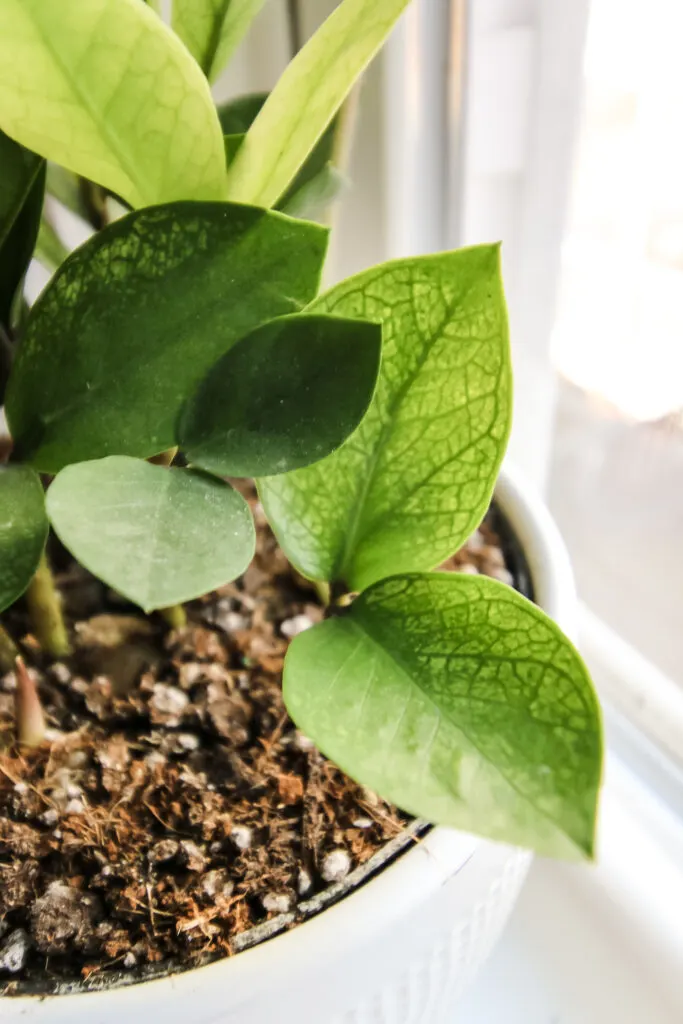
175	806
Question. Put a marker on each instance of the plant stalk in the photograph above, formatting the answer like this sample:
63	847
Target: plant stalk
8	651
175	616
45	609
296	36
29	716
324	592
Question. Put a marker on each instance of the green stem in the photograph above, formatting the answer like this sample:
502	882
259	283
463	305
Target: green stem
8	651
45	609
323	590
175	616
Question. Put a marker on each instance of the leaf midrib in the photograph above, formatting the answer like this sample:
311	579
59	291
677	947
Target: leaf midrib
154	533
345	563
412	682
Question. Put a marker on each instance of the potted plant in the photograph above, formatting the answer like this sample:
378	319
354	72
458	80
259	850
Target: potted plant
164	799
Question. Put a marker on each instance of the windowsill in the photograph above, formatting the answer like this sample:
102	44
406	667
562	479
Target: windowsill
596	945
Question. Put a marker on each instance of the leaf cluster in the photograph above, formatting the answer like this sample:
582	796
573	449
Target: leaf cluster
374	417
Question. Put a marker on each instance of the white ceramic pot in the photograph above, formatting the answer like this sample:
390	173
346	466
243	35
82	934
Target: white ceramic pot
399	950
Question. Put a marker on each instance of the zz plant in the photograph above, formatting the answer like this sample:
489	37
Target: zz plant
374	417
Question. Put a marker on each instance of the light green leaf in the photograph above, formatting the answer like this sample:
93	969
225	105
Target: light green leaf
23	530
285	396
317	183
139	314
107	90
159	536
306	98
212	29
22	187
460	701
415	479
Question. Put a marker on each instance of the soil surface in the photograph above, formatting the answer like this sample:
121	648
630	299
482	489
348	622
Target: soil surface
174	805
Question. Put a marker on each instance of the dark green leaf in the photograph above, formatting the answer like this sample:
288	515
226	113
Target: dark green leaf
415	479
313	200
460	701
237	116
159	536
139	314
23	530
285	396
22	186
232	144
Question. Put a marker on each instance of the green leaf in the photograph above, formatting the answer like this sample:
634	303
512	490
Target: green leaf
460	701
139	314
306	98
22	187
314	198
23	530
415	479
237	115
212	29
106	89
159	536
285	396
317	183
50	251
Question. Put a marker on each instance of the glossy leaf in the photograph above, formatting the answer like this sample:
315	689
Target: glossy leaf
22	186
416	478
306	98
23	530
212	29
460	701
158	536
285	396
139	314
317	183
106	89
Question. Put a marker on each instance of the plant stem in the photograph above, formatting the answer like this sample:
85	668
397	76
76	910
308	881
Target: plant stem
45	608
175	616
296	39
323	591
29	716
8	651
94	199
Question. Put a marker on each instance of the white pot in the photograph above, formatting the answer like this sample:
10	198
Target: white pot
399	950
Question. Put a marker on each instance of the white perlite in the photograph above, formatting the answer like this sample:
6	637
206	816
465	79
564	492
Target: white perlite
241	837
276	902
297	624
14	951
336	866
304	882
169	703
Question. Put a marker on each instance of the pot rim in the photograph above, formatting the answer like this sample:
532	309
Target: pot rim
397	888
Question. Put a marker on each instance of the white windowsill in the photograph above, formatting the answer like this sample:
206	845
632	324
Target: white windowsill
601	944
